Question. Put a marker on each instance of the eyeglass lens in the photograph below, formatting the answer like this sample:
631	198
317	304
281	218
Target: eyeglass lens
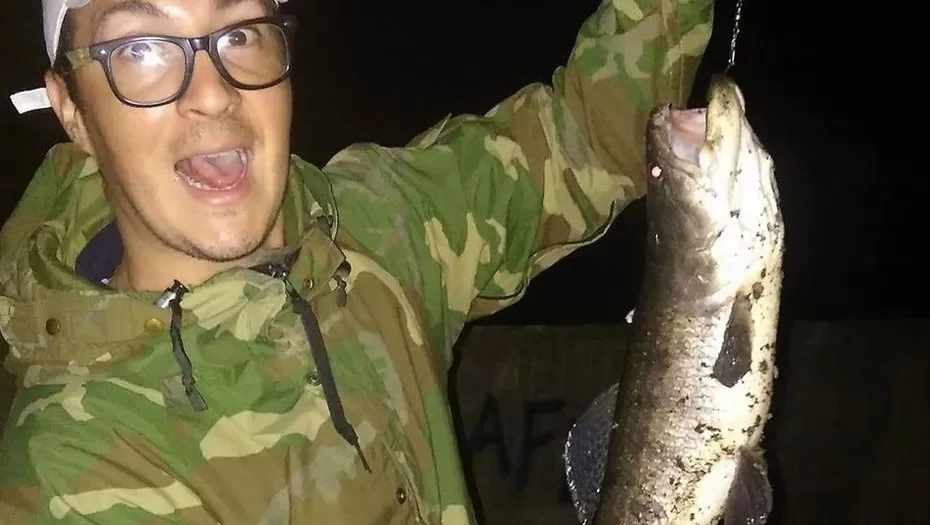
149	70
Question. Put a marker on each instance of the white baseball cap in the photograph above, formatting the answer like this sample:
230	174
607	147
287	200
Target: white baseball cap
53	15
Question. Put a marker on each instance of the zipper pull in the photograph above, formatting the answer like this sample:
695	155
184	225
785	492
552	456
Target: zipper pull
175	291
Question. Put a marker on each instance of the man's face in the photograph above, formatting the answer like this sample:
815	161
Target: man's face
171	194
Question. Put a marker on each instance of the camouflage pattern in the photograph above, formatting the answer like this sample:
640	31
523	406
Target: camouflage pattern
447	229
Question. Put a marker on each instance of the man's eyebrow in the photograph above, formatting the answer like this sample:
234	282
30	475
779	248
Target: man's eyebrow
140	7
144	7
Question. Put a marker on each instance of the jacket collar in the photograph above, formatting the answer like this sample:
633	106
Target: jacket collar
60	241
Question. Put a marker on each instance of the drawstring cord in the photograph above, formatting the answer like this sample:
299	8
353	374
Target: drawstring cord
320	358
171	298
327	379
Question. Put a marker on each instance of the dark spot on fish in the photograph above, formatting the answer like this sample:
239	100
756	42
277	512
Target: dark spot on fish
757	290
763	366
735	357
679	463
734	213
751	429
763	273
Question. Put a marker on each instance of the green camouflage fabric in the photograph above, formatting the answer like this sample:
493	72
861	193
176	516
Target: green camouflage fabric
450	228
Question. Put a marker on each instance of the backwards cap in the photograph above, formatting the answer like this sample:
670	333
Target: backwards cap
53	15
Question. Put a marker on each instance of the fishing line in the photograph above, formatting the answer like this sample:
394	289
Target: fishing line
736	21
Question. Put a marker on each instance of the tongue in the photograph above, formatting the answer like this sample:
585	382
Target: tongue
213	171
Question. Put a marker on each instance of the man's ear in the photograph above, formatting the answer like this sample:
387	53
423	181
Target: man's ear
68	112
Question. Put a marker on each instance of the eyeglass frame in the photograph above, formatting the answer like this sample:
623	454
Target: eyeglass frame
72	60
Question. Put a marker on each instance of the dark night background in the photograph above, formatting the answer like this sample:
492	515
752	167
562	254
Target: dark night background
825	91
832	93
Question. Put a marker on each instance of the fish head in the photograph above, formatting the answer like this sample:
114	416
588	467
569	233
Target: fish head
712	203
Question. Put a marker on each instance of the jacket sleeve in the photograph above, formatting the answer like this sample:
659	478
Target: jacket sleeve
67	466
488	202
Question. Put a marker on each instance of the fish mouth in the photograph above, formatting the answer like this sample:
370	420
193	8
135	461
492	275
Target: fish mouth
687	139
675	140
693	157
685	132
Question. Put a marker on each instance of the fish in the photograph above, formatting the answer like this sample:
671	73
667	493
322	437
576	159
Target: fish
677	439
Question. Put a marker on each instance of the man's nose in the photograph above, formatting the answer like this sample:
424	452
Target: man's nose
208	95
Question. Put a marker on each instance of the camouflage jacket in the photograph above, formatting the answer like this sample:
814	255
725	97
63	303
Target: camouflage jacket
320	377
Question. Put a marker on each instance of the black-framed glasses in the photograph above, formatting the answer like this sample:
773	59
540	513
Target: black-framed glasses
154	70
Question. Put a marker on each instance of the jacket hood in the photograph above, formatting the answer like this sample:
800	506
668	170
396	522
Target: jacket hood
61	240
61	243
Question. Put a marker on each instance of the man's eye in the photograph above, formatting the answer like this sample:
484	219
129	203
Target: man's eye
239	37
138	50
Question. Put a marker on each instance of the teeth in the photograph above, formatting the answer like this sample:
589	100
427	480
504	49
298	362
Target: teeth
243	157
200	185
204	187
238	151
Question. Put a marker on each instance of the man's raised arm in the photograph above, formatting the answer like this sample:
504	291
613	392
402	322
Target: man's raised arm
494	200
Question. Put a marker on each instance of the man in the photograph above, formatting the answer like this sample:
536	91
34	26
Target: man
206	329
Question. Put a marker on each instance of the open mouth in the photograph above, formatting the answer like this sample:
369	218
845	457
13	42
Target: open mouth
221	171
686	133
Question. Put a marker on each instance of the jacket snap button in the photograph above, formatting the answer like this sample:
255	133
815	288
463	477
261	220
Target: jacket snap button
52	326
401	495
154	325
313	379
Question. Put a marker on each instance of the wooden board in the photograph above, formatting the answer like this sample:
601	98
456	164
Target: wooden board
519	389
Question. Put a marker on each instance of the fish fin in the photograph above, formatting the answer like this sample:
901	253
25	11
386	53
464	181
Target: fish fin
750	499
585	454
735	358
